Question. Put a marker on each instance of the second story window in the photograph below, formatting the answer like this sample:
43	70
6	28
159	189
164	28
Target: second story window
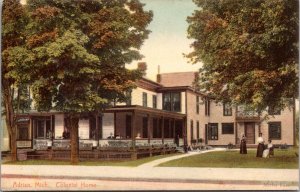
144	99
197	104
128	97
207	107
154	101
227	109
172	101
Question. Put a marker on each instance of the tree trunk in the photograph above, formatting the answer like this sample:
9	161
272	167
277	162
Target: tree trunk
73	121
10	119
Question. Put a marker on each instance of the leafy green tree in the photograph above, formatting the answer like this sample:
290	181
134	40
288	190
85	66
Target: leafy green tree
14	66
249	50
81	48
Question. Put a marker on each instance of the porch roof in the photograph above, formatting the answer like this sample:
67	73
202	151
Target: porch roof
141	109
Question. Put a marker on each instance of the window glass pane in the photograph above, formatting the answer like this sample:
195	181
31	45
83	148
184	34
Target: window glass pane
167	101
145	99
275	130
145	127
213	131
227	128
176	101
227	109
154	101
40	128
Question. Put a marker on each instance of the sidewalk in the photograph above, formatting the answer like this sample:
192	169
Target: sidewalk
149	173
163	160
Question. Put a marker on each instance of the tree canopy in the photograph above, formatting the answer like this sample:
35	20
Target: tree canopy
249	50
13	70
81	48
72	54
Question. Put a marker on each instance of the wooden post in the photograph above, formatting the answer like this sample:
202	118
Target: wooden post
184	132
133	133
97	130
149	133
173	129
163	133
115	124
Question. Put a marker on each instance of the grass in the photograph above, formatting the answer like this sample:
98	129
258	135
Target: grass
283	159
130	163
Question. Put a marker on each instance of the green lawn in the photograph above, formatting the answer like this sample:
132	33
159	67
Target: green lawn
131	163
283	159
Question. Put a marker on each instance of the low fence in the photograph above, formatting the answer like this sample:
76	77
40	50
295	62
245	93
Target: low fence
104	153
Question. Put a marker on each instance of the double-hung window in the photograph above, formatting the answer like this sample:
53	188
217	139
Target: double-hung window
213	131
172	101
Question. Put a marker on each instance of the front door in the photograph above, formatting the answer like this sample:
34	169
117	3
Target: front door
250	133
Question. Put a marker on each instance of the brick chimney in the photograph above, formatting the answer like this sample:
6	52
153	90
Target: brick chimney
158	76
142	66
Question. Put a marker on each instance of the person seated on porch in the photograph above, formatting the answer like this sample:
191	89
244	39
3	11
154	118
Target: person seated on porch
49	134
138	136
66	134
269	150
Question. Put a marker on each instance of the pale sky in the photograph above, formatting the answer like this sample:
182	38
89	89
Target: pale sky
168	40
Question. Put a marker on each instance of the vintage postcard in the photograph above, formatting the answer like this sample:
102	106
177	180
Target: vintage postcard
149	95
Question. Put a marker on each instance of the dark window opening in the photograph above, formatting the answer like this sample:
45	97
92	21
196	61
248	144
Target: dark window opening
197	104
172	101
128	97
144	99
154	101
274	130
157	132
227	128
213	131
145	127
42	128
198	130
207	107
128	126
227	109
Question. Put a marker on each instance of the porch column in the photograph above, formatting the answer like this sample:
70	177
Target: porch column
97	129
184	134
163	129
236	133
148	127
115	124
133	133
133	128
149	133
173	129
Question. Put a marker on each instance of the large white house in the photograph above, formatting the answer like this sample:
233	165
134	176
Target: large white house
168	111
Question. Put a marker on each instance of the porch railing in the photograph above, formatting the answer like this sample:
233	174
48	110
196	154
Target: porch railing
42	144
23	143
247	114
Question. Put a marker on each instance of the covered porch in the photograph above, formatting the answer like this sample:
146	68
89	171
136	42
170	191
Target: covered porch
119	133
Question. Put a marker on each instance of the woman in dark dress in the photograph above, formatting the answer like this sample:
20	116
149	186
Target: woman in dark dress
243	146
261	146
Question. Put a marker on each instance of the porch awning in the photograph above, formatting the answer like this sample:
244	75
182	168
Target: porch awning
141	109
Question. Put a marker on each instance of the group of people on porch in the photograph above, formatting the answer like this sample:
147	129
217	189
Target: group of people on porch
262	149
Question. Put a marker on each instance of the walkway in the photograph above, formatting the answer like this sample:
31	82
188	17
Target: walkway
147	174
163	160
